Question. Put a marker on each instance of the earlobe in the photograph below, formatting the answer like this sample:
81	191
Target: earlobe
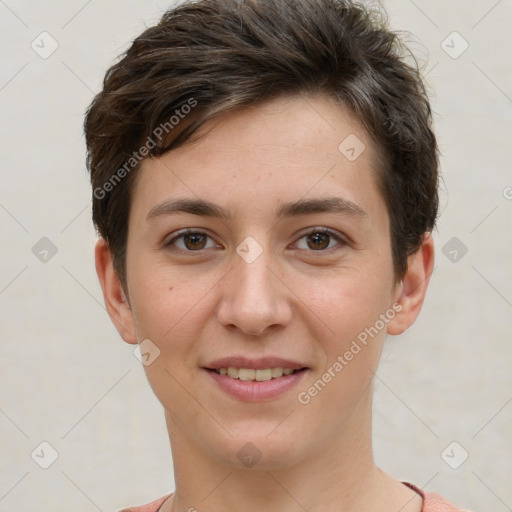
118	306
413	288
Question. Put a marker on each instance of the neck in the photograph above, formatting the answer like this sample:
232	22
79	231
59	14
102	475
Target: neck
336	475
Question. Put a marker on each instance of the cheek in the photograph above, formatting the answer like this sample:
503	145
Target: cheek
355	307
347	304
169	310
171	307
351	349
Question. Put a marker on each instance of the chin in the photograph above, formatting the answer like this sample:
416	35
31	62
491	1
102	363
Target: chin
259	448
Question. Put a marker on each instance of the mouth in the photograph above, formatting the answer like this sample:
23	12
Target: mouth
259	375
255	380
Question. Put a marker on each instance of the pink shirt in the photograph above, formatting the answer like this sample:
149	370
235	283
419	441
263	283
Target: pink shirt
432	502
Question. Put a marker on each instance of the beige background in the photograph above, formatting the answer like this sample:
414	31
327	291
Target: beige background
67	378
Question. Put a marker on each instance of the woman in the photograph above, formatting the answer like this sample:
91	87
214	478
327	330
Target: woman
264	185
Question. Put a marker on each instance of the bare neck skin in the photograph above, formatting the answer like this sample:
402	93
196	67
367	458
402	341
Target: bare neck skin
339	476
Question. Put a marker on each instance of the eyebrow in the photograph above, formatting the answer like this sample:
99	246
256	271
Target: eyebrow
301	207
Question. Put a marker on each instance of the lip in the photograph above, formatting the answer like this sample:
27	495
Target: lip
256	364
254	391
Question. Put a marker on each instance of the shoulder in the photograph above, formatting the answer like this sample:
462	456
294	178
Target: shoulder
149	507
433	502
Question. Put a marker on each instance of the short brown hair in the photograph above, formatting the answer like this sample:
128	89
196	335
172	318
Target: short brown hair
222	55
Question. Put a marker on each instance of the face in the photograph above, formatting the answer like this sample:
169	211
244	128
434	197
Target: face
259	249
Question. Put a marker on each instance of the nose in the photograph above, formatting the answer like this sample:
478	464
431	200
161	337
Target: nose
253	297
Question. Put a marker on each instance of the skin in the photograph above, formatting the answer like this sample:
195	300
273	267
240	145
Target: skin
299	300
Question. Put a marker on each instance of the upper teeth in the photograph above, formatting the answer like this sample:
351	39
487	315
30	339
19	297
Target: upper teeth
251	374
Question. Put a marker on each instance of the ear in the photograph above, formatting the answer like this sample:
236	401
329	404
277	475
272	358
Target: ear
116	302
410	292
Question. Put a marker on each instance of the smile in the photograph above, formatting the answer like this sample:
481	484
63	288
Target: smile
256	385
259	375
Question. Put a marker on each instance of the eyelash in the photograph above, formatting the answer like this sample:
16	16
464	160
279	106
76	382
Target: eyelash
325	231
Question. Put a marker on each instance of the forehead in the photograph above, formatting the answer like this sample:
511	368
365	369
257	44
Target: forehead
270	153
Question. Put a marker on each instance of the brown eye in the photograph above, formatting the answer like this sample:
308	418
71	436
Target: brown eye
318	241
191	241
194	241
321	240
